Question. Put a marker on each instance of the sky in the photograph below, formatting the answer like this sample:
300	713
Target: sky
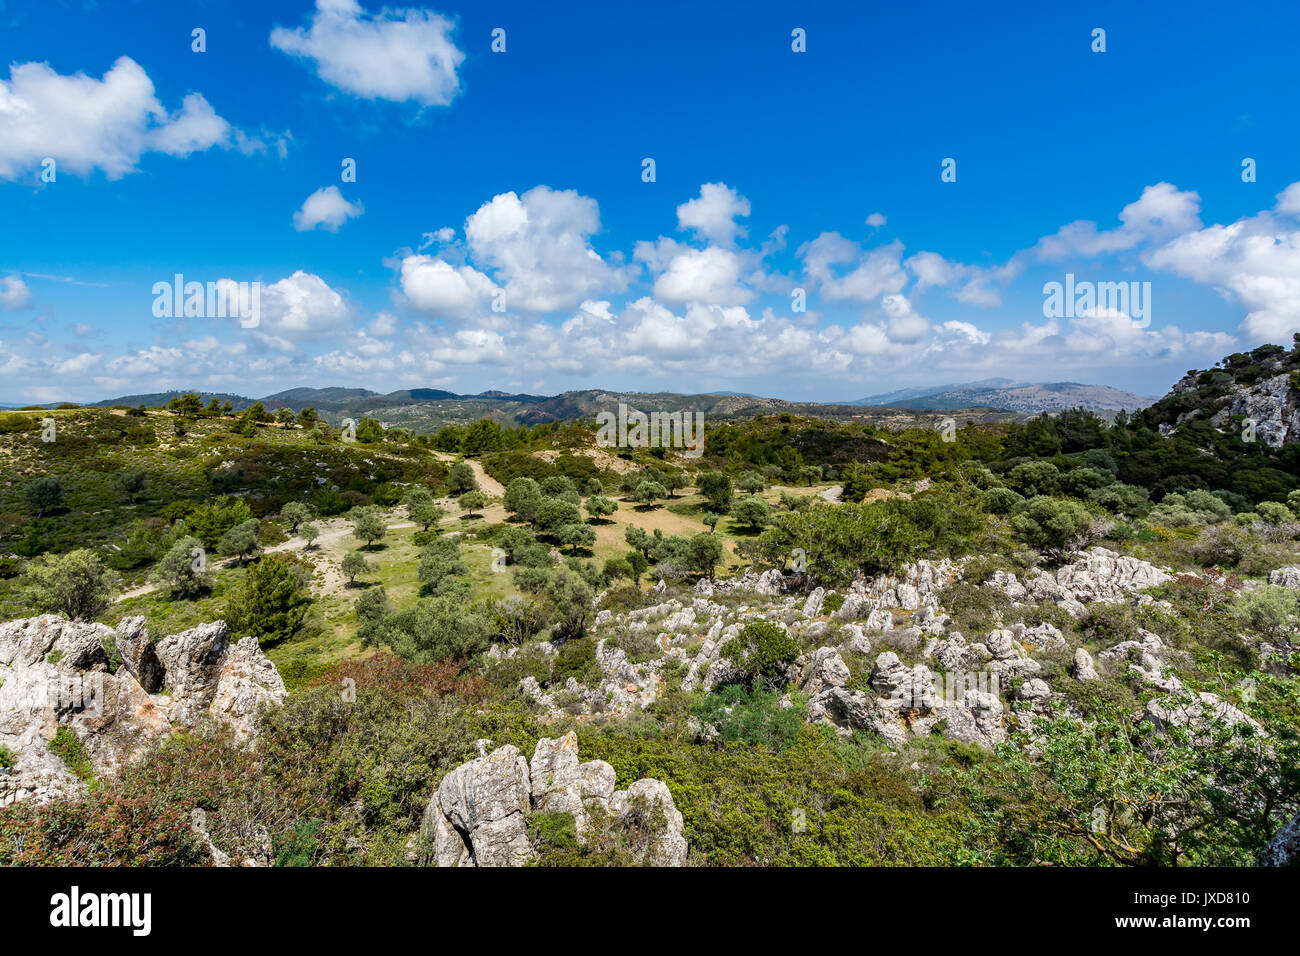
843	199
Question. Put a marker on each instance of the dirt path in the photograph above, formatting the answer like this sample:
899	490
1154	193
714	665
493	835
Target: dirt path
333	531
486	483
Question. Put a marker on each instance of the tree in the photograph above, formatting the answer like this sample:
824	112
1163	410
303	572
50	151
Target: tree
1054	526
461	479
598	506
472	501
271	603
370	431
638	539
648	492
562	487
431	631
752	512
523	498
715	486
568	598
307	417
368	525
43	494
294	514
187	405
553	514
575	536
675	481
751	482
427	513
76	585
284	416
710	519
763	654
240	541
441	570
309	533
210	520
371	610
183	571
705	553
133	484
355	564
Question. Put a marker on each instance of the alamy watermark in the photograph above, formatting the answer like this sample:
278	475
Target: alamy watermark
223	299
1084	299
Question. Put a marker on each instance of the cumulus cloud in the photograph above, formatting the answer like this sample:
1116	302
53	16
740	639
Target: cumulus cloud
873	273
442	290
302	304
1255	260
1162	211
14	293
712	215
397	55
710	276
108	124
539	247
326	208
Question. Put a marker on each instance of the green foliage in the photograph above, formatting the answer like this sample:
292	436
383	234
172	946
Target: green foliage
1053	526
75	585
241	540
368	525
762	653
716	488
271	602
67	746
44	494
183	572
461	479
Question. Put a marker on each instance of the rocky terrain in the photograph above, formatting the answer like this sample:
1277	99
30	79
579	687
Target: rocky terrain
479	816
58	675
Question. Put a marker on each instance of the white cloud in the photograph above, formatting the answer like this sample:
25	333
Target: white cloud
712	215
396	55
1161	212
86	124
14	293
875	272
325	207
1255	260
539	246
440	289
302	304
710	276
876	220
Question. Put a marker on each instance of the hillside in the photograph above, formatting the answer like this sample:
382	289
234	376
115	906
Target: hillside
1060	641
1025	397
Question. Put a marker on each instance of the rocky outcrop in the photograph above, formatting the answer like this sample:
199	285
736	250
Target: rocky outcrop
1097	574
479	815
1288	577
1271	404
1284	848
56	674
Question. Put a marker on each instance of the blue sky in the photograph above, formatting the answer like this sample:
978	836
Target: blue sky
515	180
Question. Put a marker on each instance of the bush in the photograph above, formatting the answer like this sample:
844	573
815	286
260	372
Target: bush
763	653
76	585
271	602
1054	526
43	494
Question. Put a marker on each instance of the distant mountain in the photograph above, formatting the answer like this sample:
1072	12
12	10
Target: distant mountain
428	409
1028	398
157	399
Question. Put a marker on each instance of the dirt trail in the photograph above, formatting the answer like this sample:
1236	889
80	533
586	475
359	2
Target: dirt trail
332	532
486	483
